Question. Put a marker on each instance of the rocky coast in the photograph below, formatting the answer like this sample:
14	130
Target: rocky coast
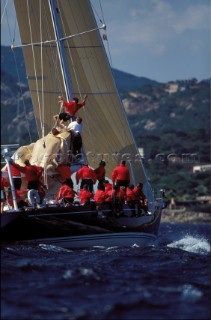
185	216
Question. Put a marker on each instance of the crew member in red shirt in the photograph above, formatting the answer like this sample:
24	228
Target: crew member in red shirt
85	195
141	199
116	201
130	194
65	172
16	175
71	109
121	175
21	196
131	199
32	173
108	190
87	176
100	171
100	195
66	193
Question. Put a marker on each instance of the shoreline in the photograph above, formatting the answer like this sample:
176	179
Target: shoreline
185	216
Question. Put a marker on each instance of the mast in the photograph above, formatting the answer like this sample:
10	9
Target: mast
6	154
61	53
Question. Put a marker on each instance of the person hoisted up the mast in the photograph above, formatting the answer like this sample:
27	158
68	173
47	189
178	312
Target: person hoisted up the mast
71	109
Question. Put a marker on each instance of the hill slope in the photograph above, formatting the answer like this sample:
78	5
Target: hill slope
151	107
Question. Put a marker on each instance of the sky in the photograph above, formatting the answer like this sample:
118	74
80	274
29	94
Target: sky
163	40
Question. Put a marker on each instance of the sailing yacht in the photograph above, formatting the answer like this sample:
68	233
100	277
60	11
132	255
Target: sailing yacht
65	56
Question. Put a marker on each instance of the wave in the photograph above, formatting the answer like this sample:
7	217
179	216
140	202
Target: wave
192	244
52	248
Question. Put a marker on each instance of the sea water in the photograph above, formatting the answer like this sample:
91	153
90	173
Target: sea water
169	280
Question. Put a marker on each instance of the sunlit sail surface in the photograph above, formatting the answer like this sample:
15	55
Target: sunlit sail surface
106	132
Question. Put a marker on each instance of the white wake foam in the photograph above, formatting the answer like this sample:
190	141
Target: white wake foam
192	244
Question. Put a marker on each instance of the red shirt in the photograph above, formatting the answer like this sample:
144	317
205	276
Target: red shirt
72	107
15	172
85	173
31	172
121	172
108	191
100	196
108	186
64	171
65	192
130	195
4	183
100	172
84	196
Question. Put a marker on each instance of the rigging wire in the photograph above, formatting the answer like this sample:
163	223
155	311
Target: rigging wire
42	97
42	84
51	55
102	20
4	10
107	41
34	64
24	105
12	40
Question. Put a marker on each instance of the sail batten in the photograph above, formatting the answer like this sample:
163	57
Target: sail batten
106	134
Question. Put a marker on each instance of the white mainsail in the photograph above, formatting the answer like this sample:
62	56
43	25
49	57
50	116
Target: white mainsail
106	133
